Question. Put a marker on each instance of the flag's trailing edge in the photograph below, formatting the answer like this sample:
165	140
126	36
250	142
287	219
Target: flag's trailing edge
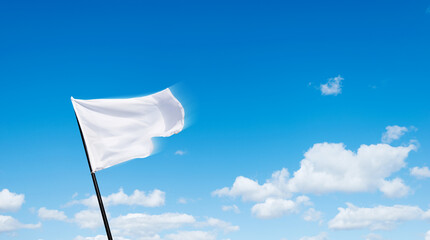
118	130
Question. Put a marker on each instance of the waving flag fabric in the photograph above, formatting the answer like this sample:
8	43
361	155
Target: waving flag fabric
118	130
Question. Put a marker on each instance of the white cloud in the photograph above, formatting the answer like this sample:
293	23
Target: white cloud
98	237
48	214
330	167
191	235
88	219
418	172
180	152
141	226
376	218
226	227
427	237
373	236
393	133
321	236
149	227
10	224
232	208
394	188
332	87
312	215
144	225
276	207
251	190
155	198
182	200
10	201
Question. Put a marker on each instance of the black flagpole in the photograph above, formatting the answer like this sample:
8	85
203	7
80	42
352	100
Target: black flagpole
96	186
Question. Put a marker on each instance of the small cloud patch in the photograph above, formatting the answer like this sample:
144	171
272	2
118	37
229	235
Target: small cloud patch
180	152
232	208
418	172
393	133
332	87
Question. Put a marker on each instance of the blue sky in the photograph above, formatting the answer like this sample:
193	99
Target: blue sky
249	75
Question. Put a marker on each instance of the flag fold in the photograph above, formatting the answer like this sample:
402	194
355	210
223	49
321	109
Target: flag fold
118	130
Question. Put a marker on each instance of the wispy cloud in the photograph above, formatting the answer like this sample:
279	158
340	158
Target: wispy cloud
98	237
226	227
332	87
192	235
10	224
233	208
312	215
146	226
427	237
48	214
373	236
394	133
321	236
376	218
88	219
154	198
418	172
180	152
276	207
136	225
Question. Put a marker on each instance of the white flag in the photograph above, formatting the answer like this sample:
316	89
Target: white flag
118	130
